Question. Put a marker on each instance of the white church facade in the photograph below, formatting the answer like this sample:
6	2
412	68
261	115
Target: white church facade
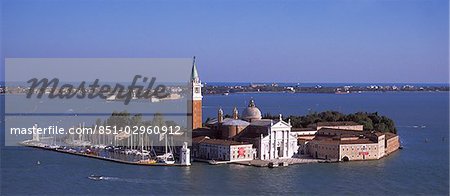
278	143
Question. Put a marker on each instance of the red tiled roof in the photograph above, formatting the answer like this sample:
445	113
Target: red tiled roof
222	142
358	141
339	123
302	129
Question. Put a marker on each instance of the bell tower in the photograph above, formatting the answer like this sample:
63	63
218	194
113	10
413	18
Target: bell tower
196	99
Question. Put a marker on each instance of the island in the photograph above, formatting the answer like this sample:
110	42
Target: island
266	140
226	89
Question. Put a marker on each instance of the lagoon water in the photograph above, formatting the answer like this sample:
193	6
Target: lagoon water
420	168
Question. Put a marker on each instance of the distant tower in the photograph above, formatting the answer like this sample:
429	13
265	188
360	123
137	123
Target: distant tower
235	113
196	101
35	133
220	115
185	155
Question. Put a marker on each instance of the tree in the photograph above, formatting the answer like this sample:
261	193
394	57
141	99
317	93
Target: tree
370	121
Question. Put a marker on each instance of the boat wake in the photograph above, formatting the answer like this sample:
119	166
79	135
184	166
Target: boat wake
414	126
130	180
110	178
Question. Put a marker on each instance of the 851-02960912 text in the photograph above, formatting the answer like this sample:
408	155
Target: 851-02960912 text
100	130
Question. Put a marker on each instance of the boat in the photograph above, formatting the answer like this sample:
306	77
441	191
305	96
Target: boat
54	146
95	177
166	158
147	161
273	165
111	98
213	162
342	92
154	100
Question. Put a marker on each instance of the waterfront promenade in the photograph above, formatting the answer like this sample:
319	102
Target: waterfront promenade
141	163
287	161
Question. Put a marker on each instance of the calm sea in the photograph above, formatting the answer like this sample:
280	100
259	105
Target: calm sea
422	167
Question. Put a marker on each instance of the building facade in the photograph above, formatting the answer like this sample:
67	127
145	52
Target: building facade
349	145
222	150
392	143
278	143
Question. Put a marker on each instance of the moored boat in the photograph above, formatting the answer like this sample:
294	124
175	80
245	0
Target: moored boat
95	177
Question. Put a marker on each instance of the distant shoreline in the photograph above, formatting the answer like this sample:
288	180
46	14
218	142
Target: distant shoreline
319	93
319	89
285	92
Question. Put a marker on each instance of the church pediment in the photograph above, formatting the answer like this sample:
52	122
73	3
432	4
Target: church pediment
281	124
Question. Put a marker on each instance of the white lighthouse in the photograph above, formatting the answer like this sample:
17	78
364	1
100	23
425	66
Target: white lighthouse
185	155
35	132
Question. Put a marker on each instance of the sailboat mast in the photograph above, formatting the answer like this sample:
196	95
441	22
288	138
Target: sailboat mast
165	141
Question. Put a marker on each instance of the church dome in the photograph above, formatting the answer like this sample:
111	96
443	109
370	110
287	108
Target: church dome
251	112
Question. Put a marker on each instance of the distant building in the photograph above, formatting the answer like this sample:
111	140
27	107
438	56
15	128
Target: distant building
221	150
349	125
304	135
271	139
348	145
392	142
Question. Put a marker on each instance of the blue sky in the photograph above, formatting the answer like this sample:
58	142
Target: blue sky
244	41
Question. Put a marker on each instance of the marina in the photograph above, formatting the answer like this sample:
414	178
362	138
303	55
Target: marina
90	154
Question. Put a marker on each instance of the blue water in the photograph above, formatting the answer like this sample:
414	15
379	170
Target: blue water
420	168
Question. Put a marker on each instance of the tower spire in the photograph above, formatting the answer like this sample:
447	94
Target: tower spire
235	113
220	115
194	74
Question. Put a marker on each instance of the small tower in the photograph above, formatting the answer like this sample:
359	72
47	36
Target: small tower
185	155
251	103
220	115
35	132
235	113
196	99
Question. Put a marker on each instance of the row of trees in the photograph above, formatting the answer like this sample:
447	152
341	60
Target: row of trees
371	121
